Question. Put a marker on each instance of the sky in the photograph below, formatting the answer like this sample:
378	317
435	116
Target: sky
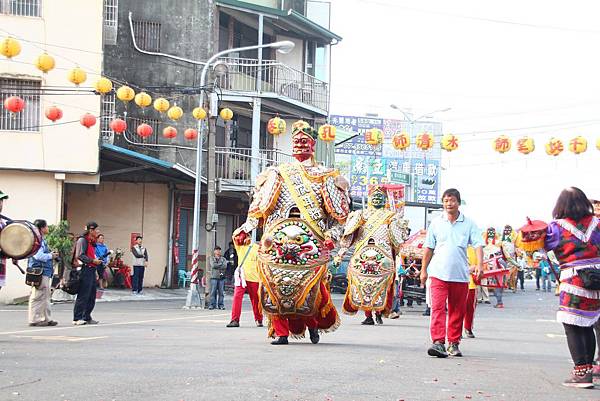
513	67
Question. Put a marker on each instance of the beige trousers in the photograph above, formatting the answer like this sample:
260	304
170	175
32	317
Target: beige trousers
39	302
483	294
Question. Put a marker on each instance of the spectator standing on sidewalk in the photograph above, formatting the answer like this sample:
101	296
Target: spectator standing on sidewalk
140	262
86	262
39	300
445	262
102	253
522	259
231	255
246	281
218	266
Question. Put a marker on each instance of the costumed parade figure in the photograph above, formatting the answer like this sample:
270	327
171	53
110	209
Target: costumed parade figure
509	251
301	207
493	258
376	234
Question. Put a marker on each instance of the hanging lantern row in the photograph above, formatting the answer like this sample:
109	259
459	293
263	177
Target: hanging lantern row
144	130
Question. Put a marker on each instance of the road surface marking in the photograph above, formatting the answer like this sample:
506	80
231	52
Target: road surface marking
211	321
550	335
546	320
110	324
61	338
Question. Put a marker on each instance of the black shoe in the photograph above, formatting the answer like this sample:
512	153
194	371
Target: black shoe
427	312
233	323
469	333
259	323
368	321
487	302
314	335
280	341
378	318
438	350
453	350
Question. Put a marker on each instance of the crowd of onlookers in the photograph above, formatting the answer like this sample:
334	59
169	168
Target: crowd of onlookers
85	268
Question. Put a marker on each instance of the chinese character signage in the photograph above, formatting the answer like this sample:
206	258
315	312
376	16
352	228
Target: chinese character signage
364	164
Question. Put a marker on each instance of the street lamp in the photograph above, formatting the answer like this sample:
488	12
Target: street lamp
193	296
411	121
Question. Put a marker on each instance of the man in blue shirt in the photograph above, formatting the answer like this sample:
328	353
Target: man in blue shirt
445	263
39	300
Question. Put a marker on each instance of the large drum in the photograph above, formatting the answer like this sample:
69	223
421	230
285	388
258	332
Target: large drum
20	239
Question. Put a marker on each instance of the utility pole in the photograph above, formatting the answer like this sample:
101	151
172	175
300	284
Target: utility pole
211	197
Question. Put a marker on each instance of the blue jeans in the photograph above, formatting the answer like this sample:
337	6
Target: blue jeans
546	283
137	282
217	286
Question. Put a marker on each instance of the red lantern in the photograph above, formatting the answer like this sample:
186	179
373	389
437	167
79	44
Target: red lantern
144	130
118	125
169	132
88	120
53	113
190	134
14	104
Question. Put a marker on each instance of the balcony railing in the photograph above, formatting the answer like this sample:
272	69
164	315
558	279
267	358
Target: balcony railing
236	163
276	78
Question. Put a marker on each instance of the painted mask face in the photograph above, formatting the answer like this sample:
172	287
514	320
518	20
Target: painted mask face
377	199
491	233
303	146
507	232
532	236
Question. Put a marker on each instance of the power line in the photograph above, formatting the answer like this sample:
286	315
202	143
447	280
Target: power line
484	19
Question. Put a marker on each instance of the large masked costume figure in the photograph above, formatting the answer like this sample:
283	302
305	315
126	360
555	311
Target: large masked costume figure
376	234
301	207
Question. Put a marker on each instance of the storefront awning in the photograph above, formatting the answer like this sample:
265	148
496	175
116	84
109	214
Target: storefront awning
120	164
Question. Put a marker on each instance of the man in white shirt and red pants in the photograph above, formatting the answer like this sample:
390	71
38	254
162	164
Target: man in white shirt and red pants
445	262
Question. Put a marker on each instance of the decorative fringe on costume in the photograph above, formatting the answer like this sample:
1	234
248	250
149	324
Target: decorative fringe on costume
334	327
575	319
530	246
580	292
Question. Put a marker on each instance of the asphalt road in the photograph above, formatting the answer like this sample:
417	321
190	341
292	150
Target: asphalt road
157	351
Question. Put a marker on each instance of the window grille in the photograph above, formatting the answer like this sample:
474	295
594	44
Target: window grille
111	18
147	35
132	124
25	8
107	114
28	119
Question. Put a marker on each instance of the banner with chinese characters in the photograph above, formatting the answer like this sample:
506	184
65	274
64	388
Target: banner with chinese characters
424	175
364	164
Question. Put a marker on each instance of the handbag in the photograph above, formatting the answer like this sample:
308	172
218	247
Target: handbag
72	285
33	275
590	277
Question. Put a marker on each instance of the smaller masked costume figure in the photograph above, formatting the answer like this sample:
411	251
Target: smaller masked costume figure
376	234
493	260
301	207
509	251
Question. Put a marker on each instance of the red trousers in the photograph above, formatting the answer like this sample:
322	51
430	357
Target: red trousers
470	309
238	296
454	296
282	325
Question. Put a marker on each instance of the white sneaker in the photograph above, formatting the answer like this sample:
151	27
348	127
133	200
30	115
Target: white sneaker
79	322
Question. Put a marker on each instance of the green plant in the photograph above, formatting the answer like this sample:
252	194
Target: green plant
58	238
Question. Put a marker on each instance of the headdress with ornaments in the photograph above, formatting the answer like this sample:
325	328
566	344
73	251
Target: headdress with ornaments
302	127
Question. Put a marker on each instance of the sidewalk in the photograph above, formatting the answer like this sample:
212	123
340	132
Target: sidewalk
116	295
